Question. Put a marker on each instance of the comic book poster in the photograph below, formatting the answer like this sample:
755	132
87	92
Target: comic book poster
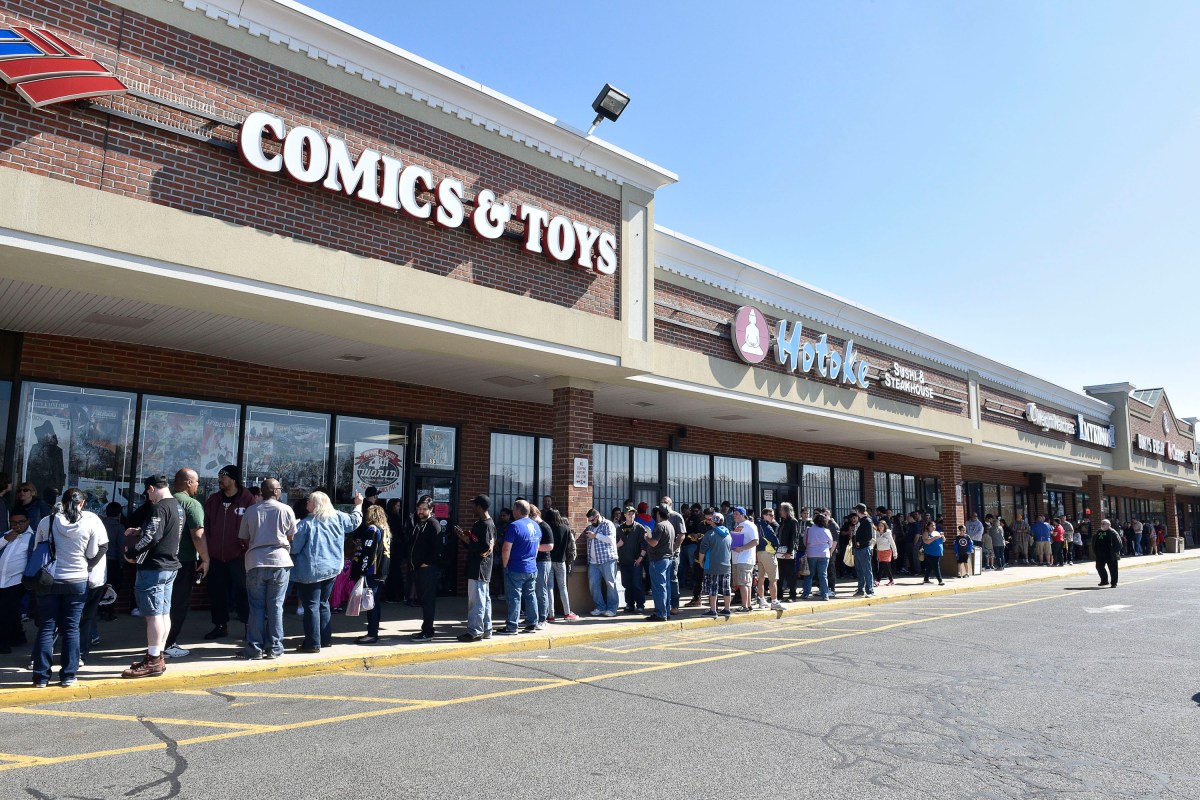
260	450
218	446
98	493
98	429
48	444
381	467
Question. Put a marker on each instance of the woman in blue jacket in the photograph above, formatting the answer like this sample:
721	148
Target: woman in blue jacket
317	555
933	542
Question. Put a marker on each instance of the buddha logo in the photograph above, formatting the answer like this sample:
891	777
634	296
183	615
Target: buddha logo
45	70
751	337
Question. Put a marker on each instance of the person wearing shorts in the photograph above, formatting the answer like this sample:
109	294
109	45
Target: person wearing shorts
745	544
715	556
155	550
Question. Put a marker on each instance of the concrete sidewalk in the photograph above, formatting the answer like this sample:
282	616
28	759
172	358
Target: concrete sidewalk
213	663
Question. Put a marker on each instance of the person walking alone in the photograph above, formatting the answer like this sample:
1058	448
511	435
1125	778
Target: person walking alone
1107	545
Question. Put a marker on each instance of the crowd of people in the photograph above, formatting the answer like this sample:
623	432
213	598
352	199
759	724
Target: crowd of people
59	565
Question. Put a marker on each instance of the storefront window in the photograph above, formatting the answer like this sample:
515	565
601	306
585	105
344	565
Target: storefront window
5	401
688	479
177	434
991	500
290	446
818	489
610	476
645	476
731	479
512	469
772	472
847	491
546	470
369	452
71	436
435	447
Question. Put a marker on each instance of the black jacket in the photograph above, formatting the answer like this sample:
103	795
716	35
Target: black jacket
864	533
426	544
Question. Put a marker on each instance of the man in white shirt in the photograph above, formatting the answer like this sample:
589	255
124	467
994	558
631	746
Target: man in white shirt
14	553
745	546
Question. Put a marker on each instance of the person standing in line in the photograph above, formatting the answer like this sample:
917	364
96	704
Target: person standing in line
697	525
562	559
658	548
885	551
1107	545
545	600
34	507
155	549
996	533
1147	534
678	528
425	558
318	550
191	547
963	547
789	543
818	544
1042	534
268	528
519	556
933	541
372	559
745	545
1057	538
115	556
79	542
1021	540
862	534
716	556
223	512
767	558
601	538
1068	548
975	530
14	554
631	538
479	544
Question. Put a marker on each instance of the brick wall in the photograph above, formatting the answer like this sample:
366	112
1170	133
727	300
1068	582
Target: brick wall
703	326
91	149
999	407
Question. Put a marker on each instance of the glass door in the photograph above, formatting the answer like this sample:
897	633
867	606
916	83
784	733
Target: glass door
444	491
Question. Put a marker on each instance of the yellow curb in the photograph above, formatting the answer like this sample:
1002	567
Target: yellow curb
256	672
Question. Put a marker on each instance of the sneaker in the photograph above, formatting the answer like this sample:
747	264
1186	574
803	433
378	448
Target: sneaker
367	639
530	629
96	640
469	637
218	632
487	634
541	626
777	606
551	619
67	683
149	667
507	632
136	612
597	612
709	613
175	651
419	636
40	683
857	594
571	617
694	603
610	613
303	649
725	613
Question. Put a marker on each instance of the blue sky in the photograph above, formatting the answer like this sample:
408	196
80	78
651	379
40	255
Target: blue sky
1019	178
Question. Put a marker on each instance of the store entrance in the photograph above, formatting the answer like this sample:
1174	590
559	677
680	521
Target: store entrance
770	495
443	489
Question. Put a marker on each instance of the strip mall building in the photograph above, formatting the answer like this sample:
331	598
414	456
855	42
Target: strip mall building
270	239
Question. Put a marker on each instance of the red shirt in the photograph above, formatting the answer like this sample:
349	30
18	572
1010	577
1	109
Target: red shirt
1057	534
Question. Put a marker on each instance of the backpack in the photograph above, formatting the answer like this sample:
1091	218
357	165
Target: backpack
572	551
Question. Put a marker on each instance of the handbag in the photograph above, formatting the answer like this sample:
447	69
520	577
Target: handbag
921	554
848	557
38	576
804	568
368	598
354	606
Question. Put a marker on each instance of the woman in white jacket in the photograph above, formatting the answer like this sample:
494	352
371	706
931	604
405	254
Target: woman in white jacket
885	551
14	552
79	542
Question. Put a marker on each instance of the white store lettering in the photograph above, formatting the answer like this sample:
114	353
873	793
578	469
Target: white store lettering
1047	421
308	157
907	380
1096	434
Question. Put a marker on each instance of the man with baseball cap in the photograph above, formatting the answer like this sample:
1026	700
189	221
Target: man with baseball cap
155	550
745	546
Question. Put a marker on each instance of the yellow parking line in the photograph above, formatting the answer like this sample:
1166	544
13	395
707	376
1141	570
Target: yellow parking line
447	677
286	696
48	712
505	660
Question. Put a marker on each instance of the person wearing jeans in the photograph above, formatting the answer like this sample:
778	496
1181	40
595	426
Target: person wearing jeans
631	535
521	541
563	537
268	529
659	546
601	537
479	544
818	543
318	551
545	601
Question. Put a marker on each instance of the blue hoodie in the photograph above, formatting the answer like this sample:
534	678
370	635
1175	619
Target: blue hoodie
716	547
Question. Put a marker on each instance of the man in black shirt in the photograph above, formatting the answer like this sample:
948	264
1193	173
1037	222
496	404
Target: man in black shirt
155	550
479	545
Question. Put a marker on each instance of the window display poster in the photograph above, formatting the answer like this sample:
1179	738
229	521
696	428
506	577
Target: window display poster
381	467
292	449
99	494
436	447
441	502
204	440
98	430
48	434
